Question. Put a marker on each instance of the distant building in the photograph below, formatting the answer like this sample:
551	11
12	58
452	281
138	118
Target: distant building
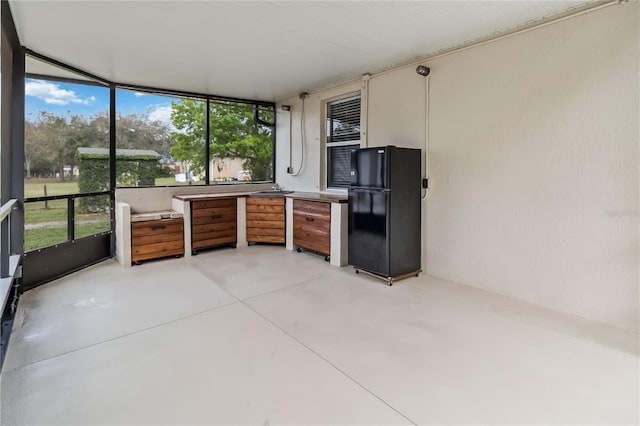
230	168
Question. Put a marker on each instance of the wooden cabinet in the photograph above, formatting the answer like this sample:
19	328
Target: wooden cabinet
265	219
214	223
153	239
312	225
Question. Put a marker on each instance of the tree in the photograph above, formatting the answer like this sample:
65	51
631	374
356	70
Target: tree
38	160
188	117
83	132
51	141
136	131
44	142
234	132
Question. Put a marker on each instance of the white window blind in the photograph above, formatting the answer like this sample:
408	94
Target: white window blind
343	136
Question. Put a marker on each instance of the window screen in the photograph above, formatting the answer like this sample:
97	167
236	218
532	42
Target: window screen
339	164
343	135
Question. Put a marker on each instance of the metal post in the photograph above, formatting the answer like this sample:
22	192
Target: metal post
207	147
11	136
112	167
71	218
17	150
4	249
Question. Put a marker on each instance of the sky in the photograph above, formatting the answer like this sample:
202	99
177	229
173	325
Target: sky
69	99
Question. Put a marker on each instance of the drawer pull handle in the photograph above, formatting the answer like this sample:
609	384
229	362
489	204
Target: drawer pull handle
156	227
216	216
309	219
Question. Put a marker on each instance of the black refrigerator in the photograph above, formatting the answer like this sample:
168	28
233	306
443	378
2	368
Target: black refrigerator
384	210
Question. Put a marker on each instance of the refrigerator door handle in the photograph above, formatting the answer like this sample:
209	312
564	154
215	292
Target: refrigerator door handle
366	189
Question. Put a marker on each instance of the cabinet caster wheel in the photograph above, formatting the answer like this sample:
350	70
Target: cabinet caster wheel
234	245
137	263
193	252
390	283
327	258
299	250
357	271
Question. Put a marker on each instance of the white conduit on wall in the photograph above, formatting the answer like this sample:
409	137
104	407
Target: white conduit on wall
290	168
302	138
365	135
426	136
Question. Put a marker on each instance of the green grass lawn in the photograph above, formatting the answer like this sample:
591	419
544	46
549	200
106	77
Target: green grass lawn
44	237
35	187
56	211
48	221
45	227
48	225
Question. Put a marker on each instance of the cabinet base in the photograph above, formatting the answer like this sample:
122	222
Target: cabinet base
327	258
389	280
266	243
195	251
141	261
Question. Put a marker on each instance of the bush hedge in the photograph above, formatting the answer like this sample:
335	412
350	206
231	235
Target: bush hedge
131	170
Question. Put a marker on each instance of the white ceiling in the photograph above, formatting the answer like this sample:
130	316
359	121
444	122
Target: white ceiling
264	50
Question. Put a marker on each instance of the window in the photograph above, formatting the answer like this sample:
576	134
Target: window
343	135
66	128
241	142
160	139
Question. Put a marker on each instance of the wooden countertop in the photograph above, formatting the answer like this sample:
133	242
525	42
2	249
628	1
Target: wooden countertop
309	196
201	197
317	196
148	216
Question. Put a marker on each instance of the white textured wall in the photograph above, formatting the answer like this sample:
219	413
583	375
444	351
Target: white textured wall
311	177
155	199
534	162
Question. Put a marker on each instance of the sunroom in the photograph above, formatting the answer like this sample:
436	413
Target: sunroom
181	215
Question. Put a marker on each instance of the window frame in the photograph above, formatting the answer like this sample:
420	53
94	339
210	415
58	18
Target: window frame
325	136
166	92
208	100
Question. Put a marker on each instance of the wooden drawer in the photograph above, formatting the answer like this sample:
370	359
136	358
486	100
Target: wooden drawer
205	216
311	222
157	238
265	201
221	203
312	209
312	226
265	220
213	223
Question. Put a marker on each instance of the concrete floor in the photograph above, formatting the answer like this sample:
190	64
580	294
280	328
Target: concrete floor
263	336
